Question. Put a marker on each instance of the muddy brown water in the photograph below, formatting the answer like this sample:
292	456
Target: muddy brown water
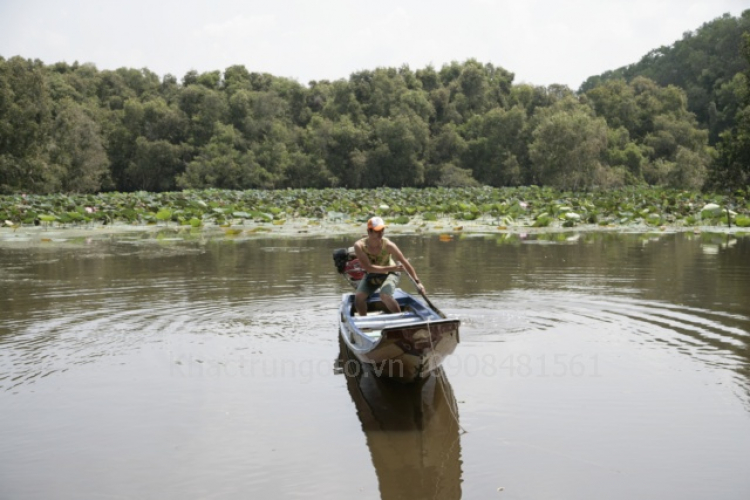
591	366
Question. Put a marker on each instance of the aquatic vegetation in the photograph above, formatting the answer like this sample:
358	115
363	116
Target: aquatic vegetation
494	207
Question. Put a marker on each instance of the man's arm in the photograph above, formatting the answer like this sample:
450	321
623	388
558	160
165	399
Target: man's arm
369	266
404	264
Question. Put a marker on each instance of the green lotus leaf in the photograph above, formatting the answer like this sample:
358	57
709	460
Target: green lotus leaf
542	221
262	215
164	214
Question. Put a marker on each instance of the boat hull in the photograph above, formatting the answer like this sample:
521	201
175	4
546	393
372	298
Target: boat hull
404	347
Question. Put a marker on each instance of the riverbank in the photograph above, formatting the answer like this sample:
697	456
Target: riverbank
444	228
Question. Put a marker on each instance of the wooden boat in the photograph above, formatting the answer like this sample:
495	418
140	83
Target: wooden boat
405	346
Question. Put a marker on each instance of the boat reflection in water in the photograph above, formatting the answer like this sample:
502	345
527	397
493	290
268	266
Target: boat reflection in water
412	431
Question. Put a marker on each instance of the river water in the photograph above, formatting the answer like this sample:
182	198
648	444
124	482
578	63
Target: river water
171	365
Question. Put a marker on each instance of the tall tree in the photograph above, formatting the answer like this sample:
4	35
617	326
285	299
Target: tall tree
495	142
396	157
731	170
156	164
25	124
223	164
566	147
77	148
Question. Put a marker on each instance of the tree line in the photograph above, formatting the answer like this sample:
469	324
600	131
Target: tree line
712	66
73	128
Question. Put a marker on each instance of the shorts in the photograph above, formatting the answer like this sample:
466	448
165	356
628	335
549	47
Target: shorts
387	288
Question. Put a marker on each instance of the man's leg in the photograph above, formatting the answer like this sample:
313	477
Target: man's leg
387	291
360	303
390	302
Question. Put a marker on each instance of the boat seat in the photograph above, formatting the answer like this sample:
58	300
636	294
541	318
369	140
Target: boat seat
369	323
386	317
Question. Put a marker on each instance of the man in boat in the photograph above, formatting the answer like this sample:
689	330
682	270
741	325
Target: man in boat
376	255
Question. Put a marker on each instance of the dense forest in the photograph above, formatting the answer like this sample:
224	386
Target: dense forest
680	117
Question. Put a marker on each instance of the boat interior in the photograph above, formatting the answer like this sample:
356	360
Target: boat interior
378	317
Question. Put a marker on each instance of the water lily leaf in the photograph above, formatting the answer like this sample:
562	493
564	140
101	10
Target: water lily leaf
164	214
542	221
129	214
261	215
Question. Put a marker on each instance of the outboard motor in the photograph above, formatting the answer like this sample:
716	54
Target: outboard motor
347	264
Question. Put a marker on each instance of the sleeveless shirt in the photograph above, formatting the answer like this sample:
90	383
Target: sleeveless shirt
381	259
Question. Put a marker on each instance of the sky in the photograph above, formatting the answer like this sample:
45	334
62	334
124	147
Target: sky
542	42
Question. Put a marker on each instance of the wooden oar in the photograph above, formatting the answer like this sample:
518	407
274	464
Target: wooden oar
434	308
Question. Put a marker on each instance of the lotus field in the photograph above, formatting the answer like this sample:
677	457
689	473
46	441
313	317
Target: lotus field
507	207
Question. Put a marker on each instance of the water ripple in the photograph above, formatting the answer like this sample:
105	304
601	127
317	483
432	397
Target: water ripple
714	338
74	326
